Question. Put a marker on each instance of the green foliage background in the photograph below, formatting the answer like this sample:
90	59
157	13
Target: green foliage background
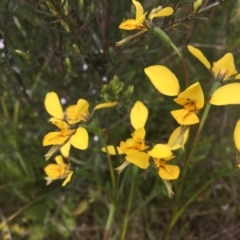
39	55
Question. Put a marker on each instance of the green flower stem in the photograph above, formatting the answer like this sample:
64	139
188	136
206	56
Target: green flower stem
215	85
110	165
113	205
99	132
163	36
189	155
109	221
178	214
130	200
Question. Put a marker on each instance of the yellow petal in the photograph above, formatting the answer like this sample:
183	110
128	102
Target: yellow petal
81	109
169	172
199	55
129	24
162	13
53	138
153	11
237	77
105	105
138	115
139	9
111	150
53	106
70	113
140	159
59	123
237	135
65	149
80	139
59	161
228	94
184	117
160	151
176	140
224	66
68	179
53	171
193	93
139	134
163	80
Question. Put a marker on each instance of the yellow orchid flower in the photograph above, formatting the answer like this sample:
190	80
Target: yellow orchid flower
138	22
66	136
191	99
161	153
77	113
224	66
58	138
134	144
58	171
134	147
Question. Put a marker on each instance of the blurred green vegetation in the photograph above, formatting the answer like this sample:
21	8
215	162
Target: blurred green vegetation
72	52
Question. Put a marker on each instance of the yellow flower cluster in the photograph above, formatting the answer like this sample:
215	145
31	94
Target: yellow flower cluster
192	99
71	131
137	151
68	135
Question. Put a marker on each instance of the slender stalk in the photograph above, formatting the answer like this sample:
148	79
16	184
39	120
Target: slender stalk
98	131
163	36
109	221
112	174
130	200
178	214
189	155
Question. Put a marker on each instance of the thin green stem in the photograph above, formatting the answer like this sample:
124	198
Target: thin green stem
189	155
163	36
215	86
178	214
130	200
109	221
110	165
99	132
